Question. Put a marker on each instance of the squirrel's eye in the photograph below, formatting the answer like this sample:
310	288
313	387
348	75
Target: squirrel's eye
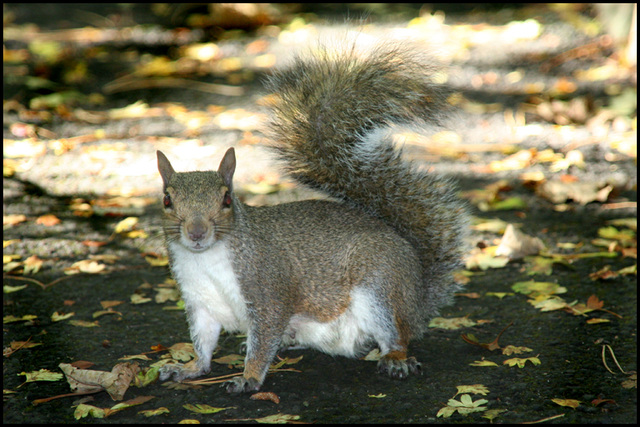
166	201
226	200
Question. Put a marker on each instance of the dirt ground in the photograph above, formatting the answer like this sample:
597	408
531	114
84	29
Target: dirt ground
92	172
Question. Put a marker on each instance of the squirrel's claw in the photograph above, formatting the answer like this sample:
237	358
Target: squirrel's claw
399	368
241	384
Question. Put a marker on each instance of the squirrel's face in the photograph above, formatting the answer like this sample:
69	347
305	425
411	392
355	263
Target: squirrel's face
198	209
198	206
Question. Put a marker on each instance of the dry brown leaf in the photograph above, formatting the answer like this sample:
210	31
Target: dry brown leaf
115	382
13	219
580	192
516	245
266	395
48	220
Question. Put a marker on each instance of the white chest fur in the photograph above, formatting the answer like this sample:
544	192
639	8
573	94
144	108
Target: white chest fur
208	284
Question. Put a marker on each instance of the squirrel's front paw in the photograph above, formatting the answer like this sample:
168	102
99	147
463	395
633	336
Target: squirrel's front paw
399	368
241	384
179	372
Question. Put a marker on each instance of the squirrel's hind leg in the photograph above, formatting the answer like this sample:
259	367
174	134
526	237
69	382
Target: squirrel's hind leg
396	364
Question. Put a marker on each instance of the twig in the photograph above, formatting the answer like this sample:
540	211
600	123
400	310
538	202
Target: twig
19	347
37	282
620	205
129	83
47	399
544	419
604	361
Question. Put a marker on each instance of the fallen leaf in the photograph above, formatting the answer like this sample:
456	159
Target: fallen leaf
548	302
204	409
126	225
472	389
115	382
84	323
483	363
464	406
23	344
451	323
153	412
157	260
377	396
580	192
85	266
230	359
595	321
516	245
510	349
12	220
13	319
484	260
600	401
277	419
48	220
519	362
267	395
572	403
631	382
57	317
32	265
532	288
491	414
41	375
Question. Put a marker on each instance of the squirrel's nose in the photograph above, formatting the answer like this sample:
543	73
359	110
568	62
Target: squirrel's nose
196	229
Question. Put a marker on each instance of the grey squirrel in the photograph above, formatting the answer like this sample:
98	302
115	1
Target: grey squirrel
368	269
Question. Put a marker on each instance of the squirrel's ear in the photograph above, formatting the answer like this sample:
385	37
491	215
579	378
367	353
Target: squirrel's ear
165	168
228	167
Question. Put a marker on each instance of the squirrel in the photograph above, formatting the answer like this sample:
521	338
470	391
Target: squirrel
368	268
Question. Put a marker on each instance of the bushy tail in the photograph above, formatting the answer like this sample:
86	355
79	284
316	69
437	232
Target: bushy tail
331	118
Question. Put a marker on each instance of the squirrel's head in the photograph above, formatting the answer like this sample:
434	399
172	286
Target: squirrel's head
198	206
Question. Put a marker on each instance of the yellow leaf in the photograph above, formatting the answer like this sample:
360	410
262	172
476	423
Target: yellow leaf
493	413
483	363
533	289
159	261
32	265
595	321
377	396
85	266
472	389
12	319
8	289
516	361
510	349
13	219
82	410
153	412
84	323
41	375
204	409
548	303
485	260
56	317
452	323
572	403
126	224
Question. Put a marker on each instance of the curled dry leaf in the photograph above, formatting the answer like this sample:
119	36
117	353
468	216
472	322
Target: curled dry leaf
580	192
266	395
515	244
115	382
